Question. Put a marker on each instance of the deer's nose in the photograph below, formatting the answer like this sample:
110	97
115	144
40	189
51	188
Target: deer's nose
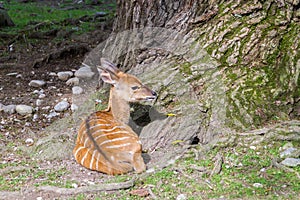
154	93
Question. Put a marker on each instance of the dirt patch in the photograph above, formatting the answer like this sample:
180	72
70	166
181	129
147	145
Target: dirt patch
23	59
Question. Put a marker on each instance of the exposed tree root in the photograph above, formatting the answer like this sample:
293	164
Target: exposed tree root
75	49
88	189
57	191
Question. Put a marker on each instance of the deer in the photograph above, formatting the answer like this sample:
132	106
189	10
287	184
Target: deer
105	142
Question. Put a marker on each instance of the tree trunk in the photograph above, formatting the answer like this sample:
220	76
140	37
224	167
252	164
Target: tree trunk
256	44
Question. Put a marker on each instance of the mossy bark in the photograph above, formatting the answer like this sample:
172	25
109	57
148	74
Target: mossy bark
256	45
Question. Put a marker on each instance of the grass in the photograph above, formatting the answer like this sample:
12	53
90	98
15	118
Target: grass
246	174
26	15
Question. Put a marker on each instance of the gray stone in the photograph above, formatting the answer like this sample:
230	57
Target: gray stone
257	185
64	75
10	109
84	72
61	106
39	102
287	152
181	197
291	162
37	83
77	90
52	114
73	81
74	107
24	109
1	107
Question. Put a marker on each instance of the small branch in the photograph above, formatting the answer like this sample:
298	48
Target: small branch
88	189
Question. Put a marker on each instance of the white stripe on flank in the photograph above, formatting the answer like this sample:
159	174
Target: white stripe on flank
79	149
113	140
96	120
84	157
115	127
104	135
85	141
97	125
98	158
118	146
92	160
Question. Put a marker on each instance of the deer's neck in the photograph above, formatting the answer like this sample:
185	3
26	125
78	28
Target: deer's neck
119	107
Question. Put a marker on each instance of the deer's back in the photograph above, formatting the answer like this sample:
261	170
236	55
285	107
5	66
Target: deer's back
106	145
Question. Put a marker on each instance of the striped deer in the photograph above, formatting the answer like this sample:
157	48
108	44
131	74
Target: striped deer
105	142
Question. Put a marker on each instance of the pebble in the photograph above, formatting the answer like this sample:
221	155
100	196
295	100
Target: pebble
181	197
52	74
39	102
41	96
74	107
77	90
52	114
257	185
73	81
84	72
291	162
1	107
35	117
10	109
61	106
24	109
64	75
29	141
37	83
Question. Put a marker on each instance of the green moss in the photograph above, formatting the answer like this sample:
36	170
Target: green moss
185	68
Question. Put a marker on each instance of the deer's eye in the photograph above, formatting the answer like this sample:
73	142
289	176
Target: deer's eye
135	87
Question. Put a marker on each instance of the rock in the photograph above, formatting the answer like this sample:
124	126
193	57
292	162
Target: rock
61	106
291	162
84	72
64	75
74	107
24	109
77	90
35	117
52	114
181	197
52	74
10	109
41	96
257	185
29	141
1	107
287	152
73	81
37	83
39	102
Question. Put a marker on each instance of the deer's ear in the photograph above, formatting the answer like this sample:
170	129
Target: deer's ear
107	77
108	66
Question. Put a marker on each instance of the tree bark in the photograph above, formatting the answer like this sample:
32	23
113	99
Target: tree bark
218	67
255	42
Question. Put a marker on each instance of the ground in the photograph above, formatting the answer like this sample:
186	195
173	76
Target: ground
243	165
33	55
